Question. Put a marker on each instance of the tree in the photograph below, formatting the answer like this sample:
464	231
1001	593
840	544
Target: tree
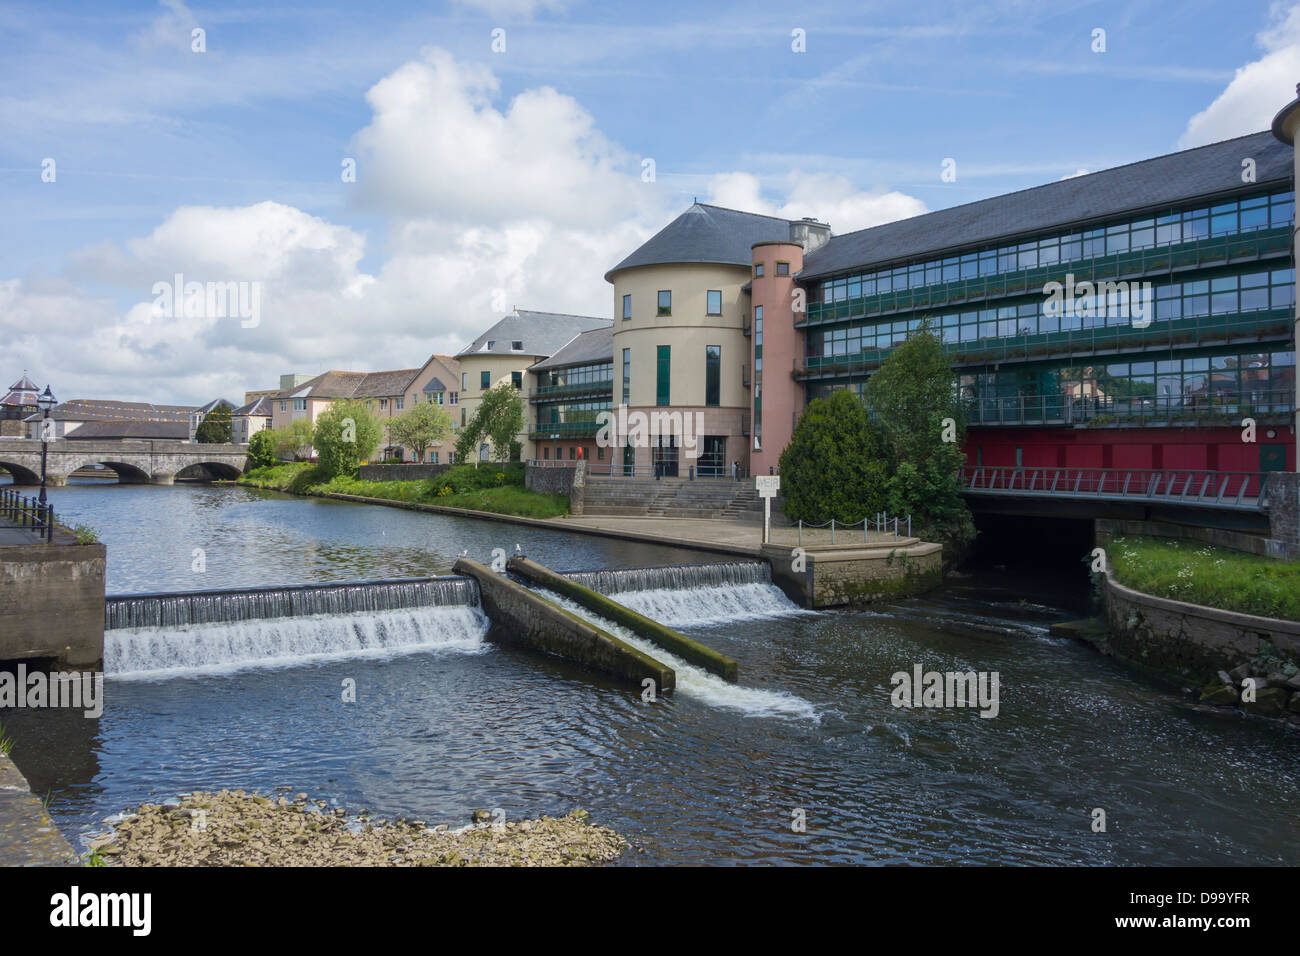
422	426
295	439
215	427
347	433
834	466
261	449
500	417
914	399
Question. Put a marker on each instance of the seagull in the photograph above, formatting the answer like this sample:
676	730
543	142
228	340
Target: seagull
464	553
518	550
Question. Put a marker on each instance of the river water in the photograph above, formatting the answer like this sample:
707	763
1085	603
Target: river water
715	773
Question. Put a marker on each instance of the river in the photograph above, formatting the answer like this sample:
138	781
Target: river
715	773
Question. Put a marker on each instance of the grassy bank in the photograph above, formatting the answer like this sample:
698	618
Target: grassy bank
491	487
1214	577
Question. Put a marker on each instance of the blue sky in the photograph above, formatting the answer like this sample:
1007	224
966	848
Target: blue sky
488	177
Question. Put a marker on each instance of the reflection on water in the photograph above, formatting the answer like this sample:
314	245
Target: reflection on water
690	778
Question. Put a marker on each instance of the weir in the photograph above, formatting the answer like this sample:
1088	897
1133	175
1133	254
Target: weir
181	608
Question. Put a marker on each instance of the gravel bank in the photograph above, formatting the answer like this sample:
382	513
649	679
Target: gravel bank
234	828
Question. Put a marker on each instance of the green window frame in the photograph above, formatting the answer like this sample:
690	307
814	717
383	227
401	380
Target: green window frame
663	374
484	380
712	375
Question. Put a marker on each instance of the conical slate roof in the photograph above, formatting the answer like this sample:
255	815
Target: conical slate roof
706	233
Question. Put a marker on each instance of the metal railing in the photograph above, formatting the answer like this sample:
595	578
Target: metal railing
552	392
882	520
1066	409
1148	260
1216	489
27	512
1260	325
674	470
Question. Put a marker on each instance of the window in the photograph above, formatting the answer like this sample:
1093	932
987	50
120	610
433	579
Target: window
627	376
627	306
665	302
517	379
715	302
433	457
783	268
491	342
573	452
484	380
455	399
758	270
300	404
758	326
517	345
464	381
663	374
283	406
401	403
462	416
712	374
546	453
383	404
451	458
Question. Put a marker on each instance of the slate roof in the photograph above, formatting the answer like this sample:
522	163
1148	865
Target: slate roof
340	384
258	408
541	333
179	431
435	385
586	348
97	410
1149	185
705	233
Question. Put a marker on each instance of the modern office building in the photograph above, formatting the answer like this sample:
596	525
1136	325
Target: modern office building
1129	318
505	352
567	392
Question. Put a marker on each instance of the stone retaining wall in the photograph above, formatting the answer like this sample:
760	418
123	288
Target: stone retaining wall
833	576
1284	512
549	480
409	472
1190	641
1107	528
52	603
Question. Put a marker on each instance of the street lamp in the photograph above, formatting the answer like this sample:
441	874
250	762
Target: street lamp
46	402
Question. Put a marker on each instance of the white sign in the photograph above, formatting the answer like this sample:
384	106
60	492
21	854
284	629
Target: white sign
767	485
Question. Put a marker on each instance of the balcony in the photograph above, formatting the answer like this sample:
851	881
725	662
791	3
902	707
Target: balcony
1171	410
546	430
549	393
1266	325
1156	260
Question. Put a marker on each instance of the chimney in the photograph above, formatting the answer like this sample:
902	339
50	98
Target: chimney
809	233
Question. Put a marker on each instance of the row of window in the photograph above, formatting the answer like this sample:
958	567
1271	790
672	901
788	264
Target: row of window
1247	215
1224	295
570	412
576	375
782	268
485	380
663	375
664	303
1261	376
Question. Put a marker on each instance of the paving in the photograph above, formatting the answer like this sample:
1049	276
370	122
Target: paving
28	837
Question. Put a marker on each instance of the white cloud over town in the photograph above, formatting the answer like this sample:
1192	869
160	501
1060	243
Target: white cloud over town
1258	89
526	202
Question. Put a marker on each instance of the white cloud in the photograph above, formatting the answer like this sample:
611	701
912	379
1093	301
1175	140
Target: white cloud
827	197
516	9
1258	90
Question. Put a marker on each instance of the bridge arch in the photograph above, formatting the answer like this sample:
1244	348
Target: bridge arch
219	469
21	474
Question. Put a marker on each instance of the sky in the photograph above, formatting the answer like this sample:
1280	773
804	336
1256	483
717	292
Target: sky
388	179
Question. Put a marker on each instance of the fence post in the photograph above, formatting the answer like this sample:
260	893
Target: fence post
801	532
909	525
832	531
864	529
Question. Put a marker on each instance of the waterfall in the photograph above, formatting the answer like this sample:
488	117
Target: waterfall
194	632
170	651
694	595
181	608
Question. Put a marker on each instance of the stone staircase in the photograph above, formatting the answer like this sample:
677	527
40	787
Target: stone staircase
672	498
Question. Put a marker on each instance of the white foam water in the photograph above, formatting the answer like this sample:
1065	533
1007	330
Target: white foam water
171	651
693	681
710	606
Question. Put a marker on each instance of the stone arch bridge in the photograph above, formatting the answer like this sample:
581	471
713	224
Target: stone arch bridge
133	461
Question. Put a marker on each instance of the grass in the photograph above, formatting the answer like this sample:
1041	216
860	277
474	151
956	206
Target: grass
1214	577
495	488
6	742
85	533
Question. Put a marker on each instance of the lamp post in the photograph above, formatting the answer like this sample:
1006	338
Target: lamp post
46	401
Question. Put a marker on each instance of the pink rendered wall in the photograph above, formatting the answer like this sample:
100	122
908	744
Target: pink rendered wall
782	395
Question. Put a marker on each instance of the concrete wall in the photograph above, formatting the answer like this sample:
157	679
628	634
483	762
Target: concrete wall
553	480
1187	640
1108	528
409	472
52	603
833	576
523	618
658	634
